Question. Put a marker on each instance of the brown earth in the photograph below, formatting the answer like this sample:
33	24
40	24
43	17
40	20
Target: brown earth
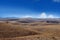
30	31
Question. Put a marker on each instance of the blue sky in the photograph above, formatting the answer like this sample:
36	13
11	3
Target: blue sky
30	8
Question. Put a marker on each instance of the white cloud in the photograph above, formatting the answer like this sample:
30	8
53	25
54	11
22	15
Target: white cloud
27	16
56	0
50	16
43	15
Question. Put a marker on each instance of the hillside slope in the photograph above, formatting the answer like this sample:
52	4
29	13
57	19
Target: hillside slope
8	30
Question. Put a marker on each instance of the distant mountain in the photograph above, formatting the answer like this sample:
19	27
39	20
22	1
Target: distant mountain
28	20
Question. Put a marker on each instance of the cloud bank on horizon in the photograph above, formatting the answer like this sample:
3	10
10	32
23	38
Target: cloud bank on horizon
42	15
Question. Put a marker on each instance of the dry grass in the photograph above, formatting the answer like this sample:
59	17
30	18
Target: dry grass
8	30
31	31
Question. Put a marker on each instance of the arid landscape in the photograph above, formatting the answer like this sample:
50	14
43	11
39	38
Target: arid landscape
29	29
29	19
